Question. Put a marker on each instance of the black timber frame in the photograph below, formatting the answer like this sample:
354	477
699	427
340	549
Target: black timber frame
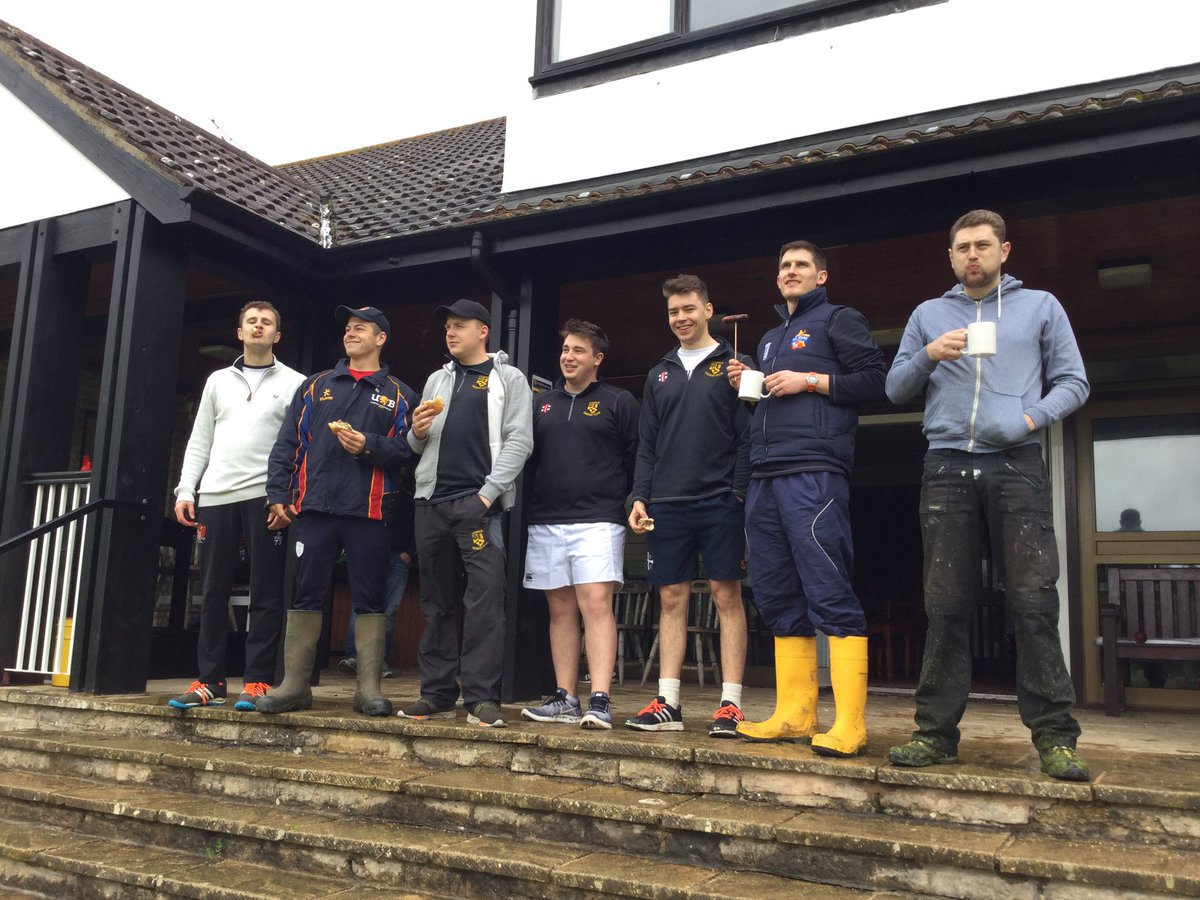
1139	151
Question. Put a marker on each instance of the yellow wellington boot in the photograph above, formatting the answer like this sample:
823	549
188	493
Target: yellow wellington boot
848	671
795	716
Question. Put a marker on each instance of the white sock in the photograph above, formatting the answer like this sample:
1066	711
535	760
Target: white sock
732	693
668	689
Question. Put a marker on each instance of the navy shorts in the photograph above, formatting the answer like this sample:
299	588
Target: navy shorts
684	531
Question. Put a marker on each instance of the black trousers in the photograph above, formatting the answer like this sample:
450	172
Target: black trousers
218	531
1008	493
460	549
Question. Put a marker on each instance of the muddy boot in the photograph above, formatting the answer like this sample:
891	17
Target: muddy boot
848	672
299	653
369	632
795	716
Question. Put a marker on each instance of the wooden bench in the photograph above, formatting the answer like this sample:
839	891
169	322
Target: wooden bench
1151	614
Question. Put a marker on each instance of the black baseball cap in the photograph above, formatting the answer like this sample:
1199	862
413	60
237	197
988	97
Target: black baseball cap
370	313
465	309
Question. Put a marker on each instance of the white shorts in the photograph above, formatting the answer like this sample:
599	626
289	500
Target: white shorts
565	555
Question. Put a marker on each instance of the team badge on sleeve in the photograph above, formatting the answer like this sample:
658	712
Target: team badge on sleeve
662	376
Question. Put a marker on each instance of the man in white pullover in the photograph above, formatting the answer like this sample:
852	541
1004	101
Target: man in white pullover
236	424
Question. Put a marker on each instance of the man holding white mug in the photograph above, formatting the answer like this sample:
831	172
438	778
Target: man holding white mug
984	471
819	364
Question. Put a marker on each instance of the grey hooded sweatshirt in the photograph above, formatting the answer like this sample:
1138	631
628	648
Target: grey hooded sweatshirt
510	430
977	405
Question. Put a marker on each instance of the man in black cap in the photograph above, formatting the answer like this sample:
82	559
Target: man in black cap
338	452
474	431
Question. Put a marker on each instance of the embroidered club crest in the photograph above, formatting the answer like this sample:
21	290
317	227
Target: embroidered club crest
714	368
593	408
478	541
800	341
481	383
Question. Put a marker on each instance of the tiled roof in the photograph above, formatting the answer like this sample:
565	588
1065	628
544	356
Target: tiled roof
453	178
411	185
837	147
178	150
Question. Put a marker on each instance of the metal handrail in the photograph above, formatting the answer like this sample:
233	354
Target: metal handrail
33	534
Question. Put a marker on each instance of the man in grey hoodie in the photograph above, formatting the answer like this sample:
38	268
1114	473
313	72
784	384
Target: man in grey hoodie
984	469
474	431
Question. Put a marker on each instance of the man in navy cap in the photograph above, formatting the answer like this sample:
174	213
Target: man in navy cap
336	456
474	431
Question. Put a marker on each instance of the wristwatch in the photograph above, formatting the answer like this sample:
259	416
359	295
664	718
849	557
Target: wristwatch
811	380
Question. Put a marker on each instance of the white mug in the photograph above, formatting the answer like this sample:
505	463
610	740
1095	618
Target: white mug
751	387
981	339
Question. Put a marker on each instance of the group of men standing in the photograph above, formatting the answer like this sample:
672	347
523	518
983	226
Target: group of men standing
710	476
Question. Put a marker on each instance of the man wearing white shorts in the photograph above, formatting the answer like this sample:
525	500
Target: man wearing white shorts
585	437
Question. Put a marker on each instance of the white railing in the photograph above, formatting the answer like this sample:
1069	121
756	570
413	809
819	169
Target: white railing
53	576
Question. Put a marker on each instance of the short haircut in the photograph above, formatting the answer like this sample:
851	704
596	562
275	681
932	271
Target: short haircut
591	333
978	217
685	284
261	304
818	254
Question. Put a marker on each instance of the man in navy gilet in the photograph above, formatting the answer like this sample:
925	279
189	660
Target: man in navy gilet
820	363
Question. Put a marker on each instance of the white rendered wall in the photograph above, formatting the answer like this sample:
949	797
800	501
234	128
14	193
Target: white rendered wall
44	175
962	52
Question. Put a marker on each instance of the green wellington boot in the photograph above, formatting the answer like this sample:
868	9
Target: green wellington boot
370	633
299	654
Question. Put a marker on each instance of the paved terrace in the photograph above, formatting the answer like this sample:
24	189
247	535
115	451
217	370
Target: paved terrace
992	729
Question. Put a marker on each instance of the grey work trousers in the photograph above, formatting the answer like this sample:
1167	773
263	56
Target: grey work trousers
460	549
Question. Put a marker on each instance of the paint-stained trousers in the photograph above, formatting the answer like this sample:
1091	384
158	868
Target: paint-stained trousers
1008	493
460	551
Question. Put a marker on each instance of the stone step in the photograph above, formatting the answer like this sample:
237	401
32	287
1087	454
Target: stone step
61	862
865	850
205	847
1142	796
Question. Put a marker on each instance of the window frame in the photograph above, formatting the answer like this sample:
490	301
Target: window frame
680	46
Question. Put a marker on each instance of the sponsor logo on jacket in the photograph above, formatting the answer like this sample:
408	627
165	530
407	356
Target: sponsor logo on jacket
383	401
800	341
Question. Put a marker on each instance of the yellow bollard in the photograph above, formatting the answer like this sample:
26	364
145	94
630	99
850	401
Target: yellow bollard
64	657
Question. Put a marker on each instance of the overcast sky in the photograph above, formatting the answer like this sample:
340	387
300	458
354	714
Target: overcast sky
283	81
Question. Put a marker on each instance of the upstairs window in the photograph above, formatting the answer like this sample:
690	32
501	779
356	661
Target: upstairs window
583	42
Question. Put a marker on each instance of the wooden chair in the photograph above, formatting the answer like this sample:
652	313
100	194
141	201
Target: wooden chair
1151	614
631	607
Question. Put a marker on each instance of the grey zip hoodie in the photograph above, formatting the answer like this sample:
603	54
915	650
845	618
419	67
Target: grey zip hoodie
510	430
977	405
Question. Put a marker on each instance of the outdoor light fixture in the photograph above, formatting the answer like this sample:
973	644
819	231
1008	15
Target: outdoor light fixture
888	337
220	351
1117	274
